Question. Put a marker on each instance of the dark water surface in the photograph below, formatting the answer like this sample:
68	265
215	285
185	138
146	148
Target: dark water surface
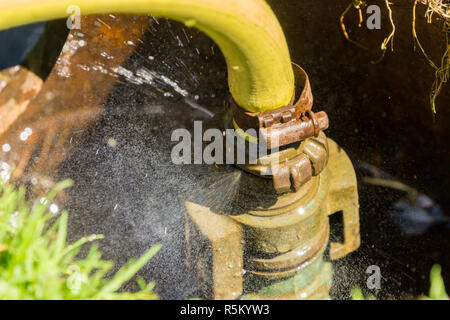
379	114
127	188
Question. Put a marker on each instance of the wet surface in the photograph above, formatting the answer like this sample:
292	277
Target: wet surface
127	188
379	114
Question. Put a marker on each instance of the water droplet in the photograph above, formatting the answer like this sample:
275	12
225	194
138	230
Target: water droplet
13	222
4	171
54	208
107	56
112	142
23	136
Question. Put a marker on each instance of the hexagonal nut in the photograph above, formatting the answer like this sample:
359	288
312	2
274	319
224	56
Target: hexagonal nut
316	148
292	174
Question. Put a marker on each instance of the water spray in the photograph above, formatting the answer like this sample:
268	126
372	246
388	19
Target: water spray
272	244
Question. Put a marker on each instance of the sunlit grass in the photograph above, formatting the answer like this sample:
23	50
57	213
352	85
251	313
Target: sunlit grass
37	263
437	287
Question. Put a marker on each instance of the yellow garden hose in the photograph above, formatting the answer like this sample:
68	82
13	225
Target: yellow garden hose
260	74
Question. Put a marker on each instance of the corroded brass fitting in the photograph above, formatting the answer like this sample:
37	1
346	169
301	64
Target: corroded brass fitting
271	245
292	167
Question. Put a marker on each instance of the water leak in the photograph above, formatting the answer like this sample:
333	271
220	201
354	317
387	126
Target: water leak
127	188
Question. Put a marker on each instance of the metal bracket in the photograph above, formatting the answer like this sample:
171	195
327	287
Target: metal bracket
291	168
288	124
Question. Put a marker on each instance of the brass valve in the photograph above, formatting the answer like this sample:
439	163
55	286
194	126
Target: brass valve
272	245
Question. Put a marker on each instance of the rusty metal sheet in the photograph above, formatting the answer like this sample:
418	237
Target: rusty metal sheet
19	91
42	131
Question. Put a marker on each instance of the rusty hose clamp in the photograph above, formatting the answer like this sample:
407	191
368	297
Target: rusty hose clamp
315	122
305	101
288	124
284	126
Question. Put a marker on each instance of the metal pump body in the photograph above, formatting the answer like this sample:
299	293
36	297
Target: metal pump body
272	246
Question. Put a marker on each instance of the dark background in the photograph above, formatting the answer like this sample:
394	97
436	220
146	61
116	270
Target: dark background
379	113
